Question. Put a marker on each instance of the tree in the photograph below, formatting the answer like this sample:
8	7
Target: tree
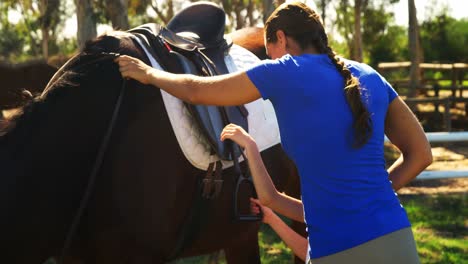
444	39
323	8
159	9
117	10
344	24
49	18
383	39
357	31
413	41
37	26
86	22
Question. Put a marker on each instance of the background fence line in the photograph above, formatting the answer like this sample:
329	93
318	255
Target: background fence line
443	137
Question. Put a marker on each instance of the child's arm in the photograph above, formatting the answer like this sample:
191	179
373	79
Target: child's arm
293	240
266	191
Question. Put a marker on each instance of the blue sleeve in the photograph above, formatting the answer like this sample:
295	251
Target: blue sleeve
266	77
392	94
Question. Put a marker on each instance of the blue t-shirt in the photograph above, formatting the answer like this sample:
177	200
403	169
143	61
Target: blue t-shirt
347	196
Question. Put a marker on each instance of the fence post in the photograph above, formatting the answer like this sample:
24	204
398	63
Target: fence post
447	119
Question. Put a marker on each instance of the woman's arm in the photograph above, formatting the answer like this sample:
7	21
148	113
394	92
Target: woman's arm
405	132
229	89
266	190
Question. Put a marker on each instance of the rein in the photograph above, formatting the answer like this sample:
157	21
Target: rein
97	163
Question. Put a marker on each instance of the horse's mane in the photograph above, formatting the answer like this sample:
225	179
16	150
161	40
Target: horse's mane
115	42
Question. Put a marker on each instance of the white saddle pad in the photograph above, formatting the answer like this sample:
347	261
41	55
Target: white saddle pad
263	126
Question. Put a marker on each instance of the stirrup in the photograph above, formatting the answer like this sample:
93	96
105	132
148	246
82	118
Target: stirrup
242	178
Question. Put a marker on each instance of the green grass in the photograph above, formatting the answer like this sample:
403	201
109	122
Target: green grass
448	83
272	249
440	226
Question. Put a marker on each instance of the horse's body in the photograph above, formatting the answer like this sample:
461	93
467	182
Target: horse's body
145	187
251	38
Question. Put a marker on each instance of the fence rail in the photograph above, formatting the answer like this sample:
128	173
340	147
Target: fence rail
443	137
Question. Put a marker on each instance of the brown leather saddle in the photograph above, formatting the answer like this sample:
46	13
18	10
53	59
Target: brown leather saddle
193	42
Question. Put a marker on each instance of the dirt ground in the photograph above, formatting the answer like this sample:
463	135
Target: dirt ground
447	156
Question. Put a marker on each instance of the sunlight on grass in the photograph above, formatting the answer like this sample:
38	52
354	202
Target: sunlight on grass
272	249
439	226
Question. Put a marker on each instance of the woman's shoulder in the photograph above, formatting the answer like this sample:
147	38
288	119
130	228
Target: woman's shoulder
359	67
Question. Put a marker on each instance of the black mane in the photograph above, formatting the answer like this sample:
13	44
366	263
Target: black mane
114	42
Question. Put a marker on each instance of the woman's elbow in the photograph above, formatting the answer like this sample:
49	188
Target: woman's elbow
427	159
420	160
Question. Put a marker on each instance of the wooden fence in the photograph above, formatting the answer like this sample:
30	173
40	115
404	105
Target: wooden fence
443	137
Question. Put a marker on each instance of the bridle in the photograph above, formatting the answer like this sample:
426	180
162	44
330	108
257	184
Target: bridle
99	158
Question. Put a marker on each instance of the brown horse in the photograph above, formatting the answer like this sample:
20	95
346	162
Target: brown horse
21	81
250	38
144	190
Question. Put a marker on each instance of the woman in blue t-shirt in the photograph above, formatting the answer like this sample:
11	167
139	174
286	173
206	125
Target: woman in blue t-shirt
333	114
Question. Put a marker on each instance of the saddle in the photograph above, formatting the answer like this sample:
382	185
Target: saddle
193	42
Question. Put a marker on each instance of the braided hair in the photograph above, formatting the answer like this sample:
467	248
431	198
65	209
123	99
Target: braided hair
304	25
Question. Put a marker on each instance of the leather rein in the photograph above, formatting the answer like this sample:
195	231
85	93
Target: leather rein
98	161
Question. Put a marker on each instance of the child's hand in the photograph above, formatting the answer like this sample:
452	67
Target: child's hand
237	134
256	206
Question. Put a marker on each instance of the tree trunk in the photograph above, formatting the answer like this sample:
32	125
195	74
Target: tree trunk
323	6
413	37
268	8
86	22
238	7
44	28
49	12
164	15
344	14
118	13
45	43
250	11
357	45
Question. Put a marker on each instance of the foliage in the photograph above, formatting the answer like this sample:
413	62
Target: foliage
11	42
391	46
382	40
22	40
445	39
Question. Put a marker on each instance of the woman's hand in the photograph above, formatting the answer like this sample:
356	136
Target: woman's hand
134	68
256	207
237	134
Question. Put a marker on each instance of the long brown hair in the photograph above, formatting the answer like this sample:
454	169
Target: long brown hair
303	24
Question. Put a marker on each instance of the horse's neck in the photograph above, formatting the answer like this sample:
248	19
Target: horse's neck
55	149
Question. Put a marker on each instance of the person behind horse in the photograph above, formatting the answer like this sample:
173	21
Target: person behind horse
333	114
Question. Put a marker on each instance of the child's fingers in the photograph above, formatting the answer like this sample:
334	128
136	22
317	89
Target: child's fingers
254	209
256	201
